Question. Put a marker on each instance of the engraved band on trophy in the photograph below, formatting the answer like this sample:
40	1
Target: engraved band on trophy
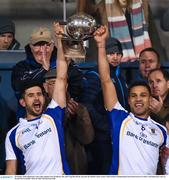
78	28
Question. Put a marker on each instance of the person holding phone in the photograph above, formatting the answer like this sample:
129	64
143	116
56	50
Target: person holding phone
159	84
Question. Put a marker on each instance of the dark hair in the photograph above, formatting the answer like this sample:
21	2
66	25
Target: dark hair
164	72
150	49
138	83
29	85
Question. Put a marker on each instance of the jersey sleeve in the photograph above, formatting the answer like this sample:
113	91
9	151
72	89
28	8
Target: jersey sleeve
10	154
56	114
116	116
55	111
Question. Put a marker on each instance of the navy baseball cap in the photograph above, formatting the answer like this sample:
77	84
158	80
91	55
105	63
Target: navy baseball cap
113	45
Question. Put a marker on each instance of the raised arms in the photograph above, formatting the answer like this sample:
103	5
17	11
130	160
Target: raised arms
59	94
109	91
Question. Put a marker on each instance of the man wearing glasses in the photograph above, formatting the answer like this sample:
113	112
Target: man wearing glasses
40	57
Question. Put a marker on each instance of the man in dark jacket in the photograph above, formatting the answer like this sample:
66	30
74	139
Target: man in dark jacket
159	85
100	149
7	35
159	106
40	57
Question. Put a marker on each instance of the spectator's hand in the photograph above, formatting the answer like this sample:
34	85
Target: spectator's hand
72	106
156	105
164	154
100	35
45	62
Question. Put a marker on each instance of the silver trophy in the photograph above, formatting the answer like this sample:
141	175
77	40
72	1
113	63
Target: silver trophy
78	29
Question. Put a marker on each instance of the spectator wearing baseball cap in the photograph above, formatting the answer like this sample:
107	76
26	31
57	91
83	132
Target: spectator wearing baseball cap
7	35
41	34
40	57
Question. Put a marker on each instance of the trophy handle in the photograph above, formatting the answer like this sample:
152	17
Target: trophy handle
86	37
68	38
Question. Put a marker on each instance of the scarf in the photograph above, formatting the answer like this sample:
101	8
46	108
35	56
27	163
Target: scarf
132	34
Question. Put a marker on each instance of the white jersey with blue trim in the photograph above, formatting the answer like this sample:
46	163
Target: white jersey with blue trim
136	143
38	145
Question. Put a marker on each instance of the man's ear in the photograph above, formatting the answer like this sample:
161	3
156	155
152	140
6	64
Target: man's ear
45	87
22	102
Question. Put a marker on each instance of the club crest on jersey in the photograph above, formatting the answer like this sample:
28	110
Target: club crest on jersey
153	131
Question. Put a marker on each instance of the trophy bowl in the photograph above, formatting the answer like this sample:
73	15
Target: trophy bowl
78	29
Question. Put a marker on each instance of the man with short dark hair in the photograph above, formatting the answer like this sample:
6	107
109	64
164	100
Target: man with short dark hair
100	148
35	146
7	35
159	105
159	83
148	59
136	138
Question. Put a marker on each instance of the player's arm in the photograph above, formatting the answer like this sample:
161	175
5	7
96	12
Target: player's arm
11	167
109	91
59	94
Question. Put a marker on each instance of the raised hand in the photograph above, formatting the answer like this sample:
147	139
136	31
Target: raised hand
101	34
58	29
72	106
156	104
45	62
